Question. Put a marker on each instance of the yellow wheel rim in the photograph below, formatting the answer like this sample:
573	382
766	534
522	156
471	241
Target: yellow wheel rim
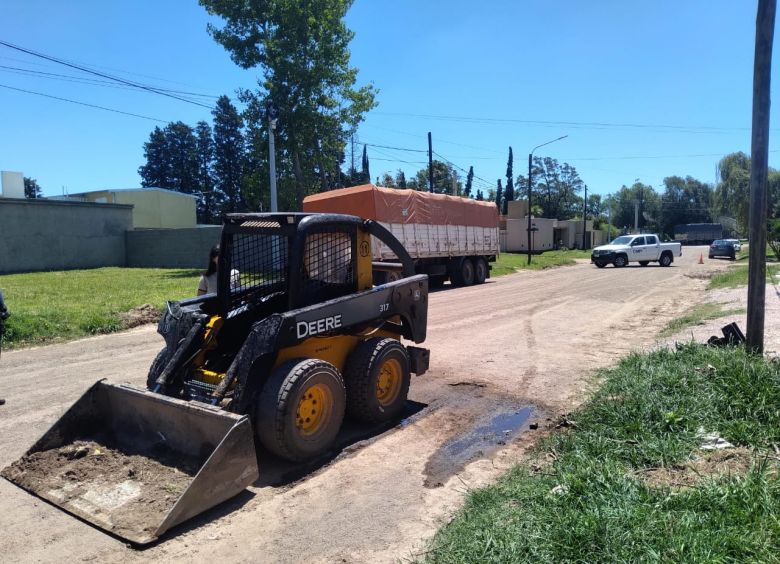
314	409
388	385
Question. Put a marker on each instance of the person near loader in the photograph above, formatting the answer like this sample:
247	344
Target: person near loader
4	314
208	280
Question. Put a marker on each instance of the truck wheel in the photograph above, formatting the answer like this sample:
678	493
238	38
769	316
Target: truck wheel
644	262
480	270
666	259
464	273
620	261
300	409
600	264
377	379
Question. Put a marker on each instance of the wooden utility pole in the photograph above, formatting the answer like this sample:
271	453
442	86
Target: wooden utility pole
762	66
430	163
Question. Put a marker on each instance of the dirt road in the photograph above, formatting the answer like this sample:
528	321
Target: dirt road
514	351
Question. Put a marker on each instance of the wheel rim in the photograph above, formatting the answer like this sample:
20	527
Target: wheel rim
619	261
314	409
388	385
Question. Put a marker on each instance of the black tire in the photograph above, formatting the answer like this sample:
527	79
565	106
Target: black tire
666	259
158	364
620	261
600	264
298	384
464	273
436	281
644	262
377	380
480	270
712	256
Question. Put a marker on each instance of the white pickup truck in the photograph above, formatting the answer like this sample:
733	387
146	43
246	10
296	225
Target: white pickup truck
643	248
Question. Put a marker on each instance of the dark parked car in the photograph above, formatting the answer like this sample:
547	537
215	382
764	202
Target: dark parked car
723	248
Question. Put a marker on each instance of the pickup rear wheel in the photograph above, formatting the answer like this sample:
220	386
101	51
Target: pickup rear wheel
620	261
600	264
666	259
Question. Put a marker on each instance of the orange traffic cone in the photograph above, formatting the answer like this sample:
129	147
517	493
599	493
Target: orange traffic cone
701	258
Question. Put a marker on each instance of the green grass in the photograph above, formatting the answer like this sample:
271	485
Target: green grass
738	276
51	306
585	500
508	263
697	315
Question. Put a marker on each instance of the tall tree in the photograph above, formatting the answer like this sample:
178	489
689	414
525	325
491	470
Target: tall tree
365	167
228	154
499	196
31	188
444	178
623	201
685	200
469	182
208	200
156	171
400	179
509	191
480	196
182	154
388	181
302	51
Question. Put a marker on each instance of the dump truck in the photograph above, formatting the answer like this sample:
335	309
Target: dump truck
448	237
296	337
698	233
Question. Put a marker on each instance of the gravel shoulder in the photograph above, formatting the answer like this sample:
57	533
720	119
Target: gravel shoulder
529	339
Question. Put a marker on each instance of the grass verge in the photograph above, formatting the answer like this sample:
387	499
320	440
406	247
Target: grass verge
738	276
508	263
589	498
698	315
51	306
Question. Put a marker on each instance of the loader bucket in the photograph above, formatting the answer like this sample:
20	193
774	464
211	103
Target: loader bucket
136	463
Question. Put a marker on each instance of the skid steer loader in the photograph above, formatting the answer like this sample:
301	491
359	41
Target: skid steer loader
296	336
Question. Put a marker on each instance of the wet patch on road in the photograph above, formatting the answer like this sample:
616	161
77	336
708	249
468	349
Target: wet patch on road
486	437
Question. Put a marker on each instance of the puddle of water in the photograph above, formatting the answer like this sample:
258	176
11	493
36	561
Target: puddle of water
479	442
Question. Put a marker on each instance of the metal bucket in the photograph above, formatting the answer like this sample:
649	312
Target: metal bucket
136	463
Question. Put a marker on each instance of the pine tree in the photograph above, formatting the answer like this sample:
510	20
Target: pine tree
207	195
509	192
181	152
480	196
469	182
499	195
400	179
228	154
364	169
156	171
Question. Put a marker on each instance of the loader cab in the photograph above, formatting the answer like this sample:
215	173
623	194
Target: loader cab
279	262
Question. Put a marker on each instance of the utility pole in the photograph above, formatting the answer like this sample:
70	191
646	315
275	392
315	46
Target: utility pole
636	216
609	222
273	116
584	219
352	170
430	163
530	227
762	66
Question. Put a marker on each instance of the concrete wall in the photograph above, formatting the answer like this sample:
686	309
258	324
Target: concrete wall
153	208
171	248
43	234
517	234
517	209
11	184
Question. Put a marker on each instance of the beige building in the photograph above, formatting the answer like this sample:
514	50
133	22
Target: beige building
153	208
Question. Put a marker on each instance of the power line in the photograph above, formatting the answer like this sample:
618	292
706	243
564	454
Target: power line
81	103
92	81
103	75
396	148
567	123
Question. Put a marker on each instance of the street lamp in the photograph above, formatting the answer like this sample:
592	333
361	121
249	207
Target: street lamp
530	156
272	113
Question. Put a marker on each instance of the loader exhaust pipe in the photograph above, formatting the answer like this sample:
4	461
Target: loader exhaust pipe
136	463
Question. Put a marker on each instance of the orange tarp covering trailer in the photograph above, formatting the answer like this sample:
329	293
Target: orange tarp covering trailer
391	205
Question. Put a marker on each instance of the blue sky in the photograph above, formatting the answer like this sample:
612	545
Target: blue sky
643	90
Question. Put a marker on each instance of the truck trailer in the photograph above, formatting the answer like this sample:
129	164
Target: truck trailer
698	233
448	237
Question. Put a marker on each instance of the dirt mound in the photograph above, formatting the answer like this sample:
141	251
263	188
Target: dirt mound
123	492
140	315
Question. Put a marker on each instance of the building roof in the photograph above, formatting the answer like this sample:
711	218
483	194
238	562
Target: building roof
147	189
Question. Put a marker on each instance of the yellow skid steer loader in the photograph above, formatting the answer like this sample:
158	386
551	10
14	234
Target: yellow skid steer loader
296	337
